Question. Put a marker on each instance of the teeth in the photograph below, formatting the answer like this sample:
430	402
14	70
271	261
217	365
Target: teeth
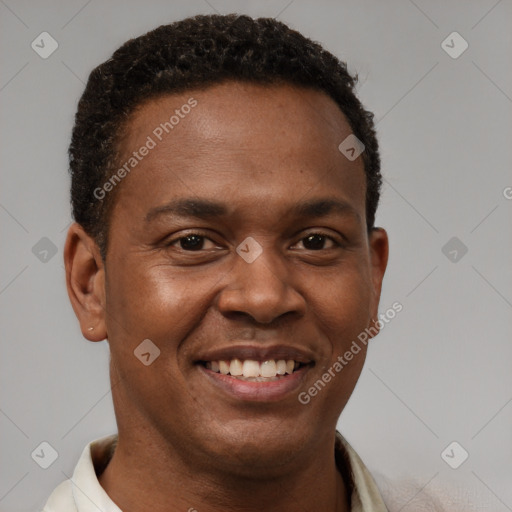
268	369
223	367
235	368
251	369
281	367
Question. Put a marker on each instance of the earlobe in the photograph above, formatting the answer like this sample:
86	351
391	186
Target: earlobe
85	281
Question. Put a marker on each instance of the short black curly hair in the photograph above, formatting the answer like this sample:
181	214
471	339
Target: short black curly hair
198	52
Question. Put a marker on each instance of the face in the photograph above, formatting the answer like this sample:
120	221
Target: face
240	236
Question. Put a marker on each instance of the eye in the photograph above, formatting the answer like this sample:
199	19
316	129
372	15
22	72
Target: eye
316	241
192	242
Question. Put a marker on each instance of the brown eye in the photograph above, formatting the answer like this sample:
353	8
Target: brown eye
191	242
316	241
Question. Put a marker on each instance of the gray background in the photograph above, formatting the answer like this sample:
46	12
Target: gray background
439	372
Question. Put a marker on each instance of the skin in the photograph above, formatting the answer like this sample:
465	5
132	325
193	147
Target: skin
182	441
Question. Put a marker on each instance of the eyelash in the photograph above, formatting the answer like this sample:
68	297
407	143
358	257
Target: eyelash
205	235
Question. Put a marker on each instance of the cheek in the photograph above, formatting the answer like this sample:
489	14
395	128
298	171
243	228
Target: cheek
160	305
342	306
156	302
344	311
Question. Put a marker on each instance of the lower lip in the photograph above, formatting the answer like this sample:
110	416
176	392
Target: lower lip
271	391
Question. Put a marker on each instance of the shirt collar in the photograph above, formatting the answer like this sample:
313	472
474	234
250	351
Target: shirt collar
89	495
364	493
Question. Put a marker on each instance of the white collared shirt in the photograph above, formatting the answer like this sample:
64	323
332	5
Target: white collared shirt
83	492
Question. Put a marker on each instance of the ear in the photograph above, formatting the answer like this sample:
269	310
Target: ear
85	281
379	251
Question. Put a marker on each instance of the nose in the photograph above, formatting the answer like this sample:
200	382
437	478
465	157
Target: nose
262	290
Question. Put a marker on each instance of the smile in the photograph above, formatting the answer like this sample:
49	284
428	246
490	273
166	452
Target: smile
254	371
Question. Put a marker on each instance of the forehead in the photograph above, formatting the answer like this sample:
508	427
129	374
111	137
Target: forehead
232	111
250	143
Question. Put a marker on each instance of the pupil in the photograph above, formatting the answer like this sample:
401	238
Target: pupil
315	241
192	242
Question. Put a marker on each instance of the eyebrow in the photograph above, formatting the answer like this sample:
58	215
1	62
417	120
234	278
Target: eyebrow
189	207
206	209
322	207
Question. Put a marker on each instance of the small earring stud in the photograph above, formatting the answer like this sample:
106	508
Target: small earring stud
91	329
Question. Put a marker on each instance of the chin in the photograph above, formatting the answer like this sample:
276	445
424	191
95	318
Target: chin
256	449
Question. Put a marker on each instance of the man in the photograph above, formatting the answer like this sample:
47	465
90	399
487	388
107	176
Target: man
225	180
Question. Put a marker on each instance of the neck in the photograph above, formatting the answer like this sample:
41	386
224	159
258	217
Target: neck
150	477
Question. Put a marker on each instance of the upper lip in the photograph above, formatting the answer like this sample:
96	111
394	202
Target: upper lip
257	353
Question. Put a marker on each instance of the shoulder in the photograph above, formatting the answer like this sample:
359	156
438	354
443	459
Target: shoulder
61	499
73	494
434	495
